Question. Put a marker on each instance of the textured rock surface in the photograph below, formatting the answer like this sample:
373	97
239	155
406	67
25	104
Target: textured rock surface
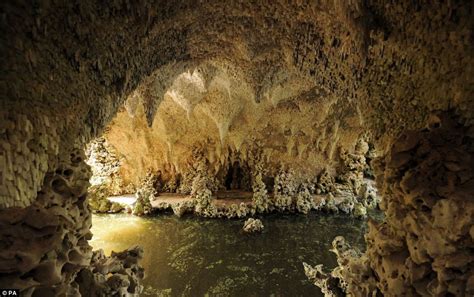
44	245
105	164
145	193
352	277
45	250
117	275
252	226
306	79
98	200
424	246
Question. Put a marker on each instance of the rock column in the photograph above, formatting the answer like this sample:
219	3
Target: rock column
425	246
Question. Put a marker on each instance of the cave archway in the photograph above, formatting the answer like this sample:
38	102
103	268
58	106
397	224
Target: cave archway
233	179
70	65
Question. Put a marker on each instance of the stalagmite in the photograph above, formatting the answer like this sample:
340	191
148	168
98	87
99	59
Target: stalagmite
253	226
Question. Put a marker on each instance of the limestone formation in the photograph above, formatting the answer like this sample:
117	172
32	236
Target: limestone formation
304	200
45	244
105	165
253	226
45	250
145	193
352	277
308	87
117	275
201	193
355	273
424	247
260	196
98	200
181	208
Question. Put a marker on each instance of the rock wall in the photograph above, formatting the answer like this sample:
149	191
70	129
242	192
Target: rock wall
29	149
45	244
317	75
45	249
424	246
227	126
352	277
105	164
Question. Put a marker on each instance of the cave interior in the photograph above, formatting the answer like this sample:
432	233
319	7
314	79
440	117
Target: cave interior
297	105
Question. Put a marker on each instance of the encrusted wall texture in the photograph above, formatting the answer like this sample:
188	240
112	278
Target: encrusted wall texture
425	246
315	75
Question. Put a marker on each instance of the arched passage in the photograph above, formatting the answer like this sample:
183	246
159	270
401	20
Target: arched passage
68	68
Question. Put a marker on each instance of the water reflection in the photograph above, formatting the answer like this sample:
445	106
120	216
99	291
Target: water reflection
199	257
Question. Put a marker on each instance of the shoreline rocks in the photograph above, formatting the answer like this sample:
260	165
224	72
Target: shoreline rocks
253	226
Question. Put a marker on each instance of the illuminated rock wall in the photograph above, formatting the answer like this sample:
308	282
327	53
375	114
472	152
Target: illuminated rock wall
424	246
312	78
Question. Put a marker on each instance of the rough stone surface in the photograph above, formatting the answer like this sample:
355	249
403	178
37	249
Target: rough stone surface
117	275
105	163
424	246
98	200
145	193
253	226
45	250
302	82
352	277
44	245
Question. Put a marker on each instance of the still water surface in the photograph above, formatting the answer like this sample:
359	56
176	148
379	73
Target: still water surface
192	256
